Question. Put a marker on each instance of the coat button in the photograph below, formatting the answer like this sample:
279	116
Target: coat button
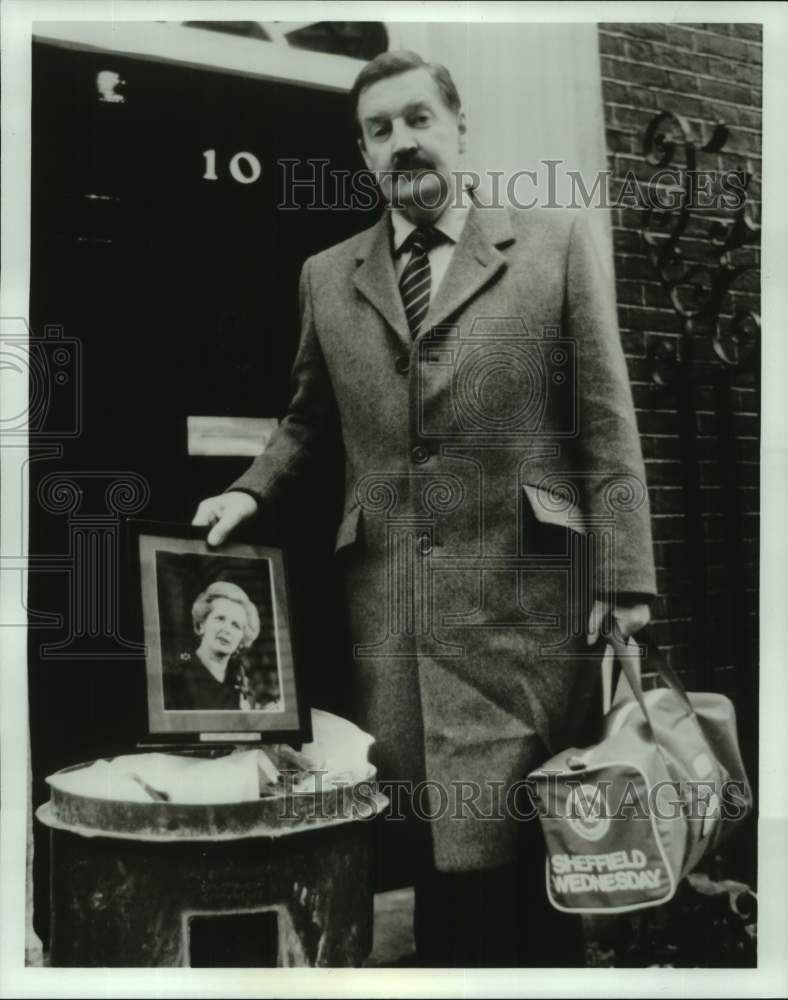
425	544
402	365
420	454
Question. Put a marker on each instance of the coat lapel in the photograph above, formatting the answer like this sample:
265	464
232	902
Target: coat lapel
376	280
476	262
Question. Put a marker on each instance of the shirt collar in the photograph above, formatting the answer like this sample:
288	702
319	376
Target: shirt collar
450	223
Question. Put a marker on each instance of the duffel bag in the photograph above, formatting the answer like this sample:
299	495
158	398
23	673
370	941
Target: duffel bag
624	820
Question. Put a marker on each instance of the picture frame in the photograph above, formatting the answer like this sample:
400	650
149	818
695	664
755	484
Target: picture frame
220	660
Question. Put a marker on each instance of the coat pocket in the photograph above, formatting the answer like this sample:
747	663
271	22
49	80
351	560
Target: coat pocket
347	533
554	508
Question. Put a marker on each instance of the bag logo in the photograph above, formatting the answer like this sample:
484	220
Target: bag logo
585	812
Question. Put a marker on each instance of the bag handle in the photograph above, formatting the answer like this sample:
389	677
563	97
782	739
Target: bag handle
666	672
625	656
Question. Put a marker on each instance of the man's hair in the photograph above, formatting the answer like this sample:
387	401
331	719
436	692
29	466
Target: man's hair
392	64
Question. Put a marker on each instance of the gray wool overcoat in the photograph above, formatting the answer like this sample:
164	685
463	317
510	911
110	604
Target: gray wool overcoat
494	485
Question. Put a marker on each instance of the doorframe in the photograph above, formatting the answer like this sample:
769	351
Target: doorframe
196	47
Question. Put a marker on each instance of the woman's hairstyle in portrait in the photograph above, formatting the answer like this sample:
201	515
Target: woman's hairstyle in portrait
231	592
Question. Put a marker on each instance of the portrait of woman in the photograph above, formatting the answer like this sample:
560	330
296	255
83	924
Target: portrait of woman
219	656
212	676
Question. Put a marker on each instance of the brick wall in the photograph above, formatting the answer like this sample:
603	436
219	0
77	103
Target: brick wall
707	73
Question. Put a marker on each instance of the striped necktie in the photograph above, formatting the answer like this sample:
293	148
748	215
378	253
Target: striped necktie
414	285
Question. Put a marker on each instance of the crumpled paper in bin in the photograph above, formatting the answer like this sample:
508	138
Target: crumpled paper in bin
339	752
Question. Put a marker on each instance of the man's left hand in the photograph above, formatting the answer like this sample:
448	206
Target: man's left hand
630	617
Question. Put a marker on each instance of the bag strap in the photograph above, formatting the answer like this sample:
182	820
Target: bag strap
625	656
629	656
657	661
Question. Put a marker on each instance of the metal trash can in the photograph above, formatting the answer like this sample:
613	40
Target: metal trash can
273	882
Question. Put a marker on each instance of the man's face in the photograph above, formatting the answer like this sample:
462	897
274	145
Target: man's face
410	140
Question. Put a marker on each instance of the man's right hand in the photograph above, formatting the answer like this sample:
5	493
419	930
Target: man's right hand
223	514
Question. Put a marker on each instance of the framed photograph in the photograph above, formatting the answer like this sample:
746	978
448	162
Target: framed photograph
218	636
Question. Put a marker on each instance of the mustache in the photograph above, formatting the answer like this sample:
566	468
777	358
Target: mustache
404	164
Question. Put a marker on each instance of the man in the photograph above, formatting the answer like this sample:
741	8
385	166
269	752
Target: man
467	360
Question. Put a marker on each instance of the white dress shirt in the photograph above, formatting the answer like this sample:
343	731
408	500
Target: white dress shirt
450	223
